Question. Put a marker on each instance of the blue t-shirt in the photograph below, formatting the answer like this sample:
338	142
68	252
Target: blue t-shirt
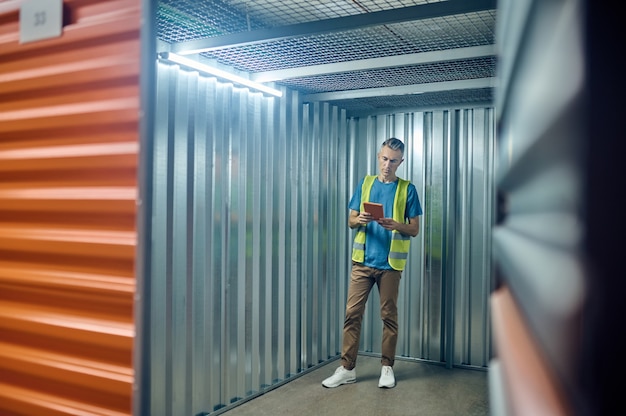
378	240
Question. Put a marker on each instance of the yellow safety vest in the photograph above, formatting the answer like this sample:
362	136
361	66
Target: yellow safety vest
399	250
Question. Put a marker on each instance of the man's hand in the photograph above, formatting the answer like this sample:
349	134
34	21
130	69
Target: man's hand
365	218
358	219
387	223
411	228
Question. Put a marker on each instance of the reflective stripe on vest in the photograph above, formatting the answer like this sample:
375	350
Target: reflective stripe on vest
358	247
399	250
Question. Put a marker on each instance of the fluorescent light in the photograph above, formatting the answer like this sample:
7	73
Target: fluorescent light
189	63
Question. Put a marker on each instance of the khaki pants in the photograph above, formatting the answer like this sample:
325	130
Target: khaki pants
362	280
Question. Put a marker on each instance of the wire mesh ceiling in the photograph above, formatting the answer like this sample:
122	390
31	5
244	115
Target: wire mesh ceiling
362	55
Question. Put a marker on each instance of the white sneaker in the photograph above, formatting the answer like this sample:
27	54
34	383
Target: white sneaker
341	376
387	379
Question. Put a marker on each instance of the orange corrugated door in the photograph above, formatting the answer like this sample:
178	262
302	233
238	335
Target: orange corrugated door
69	139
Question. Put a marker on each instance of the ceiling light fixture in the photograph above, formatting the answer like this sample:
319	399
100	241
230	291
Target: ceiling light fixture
198	66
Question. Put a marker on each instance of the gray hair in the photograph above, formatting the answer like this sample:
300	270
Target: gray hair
394	144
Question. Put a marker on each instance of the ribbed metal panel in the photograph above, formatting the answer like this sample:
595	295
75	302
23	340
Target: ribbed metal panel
251	249
246	243
538	244
69	112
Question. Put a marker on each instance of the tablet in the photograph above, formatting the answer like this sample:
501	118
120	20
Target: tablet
375	209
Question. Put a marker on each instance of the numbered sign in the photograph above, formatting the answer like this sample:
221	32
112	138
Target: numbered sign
40	19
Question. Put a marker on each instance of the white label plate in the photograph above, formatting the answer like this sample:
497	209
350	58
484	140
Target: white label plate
40	19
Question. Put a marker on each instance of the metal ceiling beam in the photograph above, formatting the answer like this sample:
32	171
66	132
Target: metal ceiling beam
375	63
384	17
401	90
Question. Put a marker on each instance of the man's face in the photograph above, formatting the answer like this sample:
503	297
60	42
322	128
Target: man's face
388	162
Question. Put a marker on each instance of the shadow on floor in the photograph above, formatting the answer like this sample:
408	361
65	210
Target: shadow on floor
421	389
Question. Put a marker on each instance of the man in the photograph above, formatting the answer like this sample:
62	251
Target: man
379	255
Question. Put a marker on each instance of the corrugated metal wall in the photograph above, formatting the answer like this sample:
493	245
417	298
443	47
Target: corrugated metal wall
543	280
251	250
69	111
245	287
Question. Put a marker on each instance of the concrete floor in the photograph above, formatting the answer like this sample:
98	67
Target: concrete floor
421	389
